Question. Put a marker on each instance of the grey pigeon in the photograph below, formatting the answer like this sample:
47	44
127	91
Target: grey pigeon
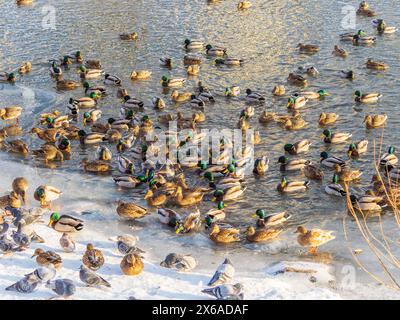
63	287
24	285
42	274
6	246
25	216
179	262
226	292
91	279
224	274
20	238
126	244
4	228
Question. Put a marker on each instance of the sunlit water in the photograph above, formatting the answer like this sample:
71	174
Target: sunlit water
266	37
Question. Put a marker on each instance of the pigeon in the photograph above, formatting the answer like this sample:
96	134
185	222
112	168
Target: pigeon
224	274
179	262
25	216
6	246
4	228
24	285
42	274
126	244
67	243
21	238
63	287
91	279
226	292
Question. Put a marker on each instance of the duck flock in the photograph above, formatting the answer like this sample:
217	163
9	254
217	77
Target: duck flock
120	145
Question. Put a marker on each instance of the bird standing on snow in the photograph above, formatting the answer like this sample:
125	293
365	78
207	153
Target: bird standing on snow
226	292
179	262
224	273
91	279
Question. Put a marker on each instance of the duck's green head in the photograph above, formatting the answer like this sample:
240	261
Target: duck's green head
55	216
144	148
231	168
209	176
361	33
86	115
86	85
11	77
94	95
219	61
82	69
323	93
219	193
260	213
142	178
324	155
152	183
145	118
358	93
283	160
288	147
209	46
208	220
291	101
81	133
352	148
164	78
187	41
327	133
65	144
66	60
50	120
391	150
221	205
78	54
335	178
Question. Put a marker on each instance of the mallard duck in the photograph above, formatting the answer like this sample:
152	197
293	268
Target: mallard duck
57	122
25	68
223	236
295	123
308	48
191	222
214	215
11	131
375	120
67	243
112	80
364	10
45	194
96	166
103	153
11	113
129	36
10	200
8	77
261	235
334	138
244	5
155	198
187	199
47	258
191	60
193	70
297	79
88	74
24	2
389	157
310	71
166	62
313	238
67	85
367	204
65	223
351	75
168	217
92	258
264	220
335	189
261	165
233	91
358	40
297	102
97	90
331	161
48	152
230	193
327	118
345	174
91	116
193	44
293	186
18	147
130	210
84	102
337	51
229	61
382	28
298	147
140	74
376	65
172	83
177	96
279	90
311	171
93	64
314	95
48	135
20	186
355	149
215	51
349	36
91	138
132	264
292	165
127	181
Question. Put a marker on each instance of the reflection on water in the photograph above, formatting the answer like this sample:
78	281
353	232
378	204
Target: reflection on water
265	36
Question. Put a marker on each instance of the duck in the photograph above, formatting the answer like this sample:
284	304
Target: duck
279	90
11	113
215	51
20	186
349	36
223	236
230	193
172	83
327	118
191	60
296	123
314	238
331	161
244	5
297	79
191	222
335	138
127	181
67	85
8	77
47	258
88	74
130	210
364	10
25	68
345	174
91	116
262	235
261	165
196	102
311	95
293	186
49	152
358	40
10	200
229	61
112	80
375	120
389	157
46	194
367	204
382	28
168	217
335	189
67	243
232	91
292	165
166	62
65	223
308	48
312	171
96	166
91	138
193	70
187	199
376	65
298	147
193	44
93	258
58	121
48	135
140	74
131	264
297	102
132	103
177	96
99	91
350	74
155	198
340	52
18	147
214	215
355	149
264	220
129	36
